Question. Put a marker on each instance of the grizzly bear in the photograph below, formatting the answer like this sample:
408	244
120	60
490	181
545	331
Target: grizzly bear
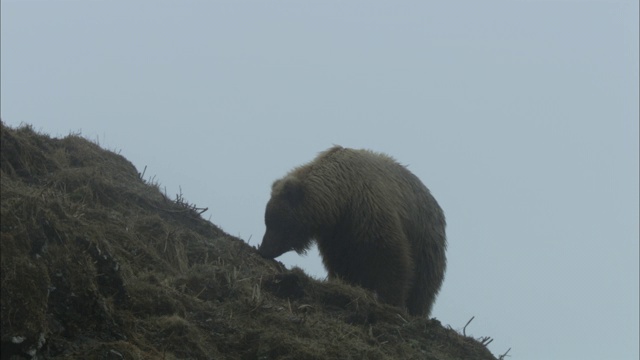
375	223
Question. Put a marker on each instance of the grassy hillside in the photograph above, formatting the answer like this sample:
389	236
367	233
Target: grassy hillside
98	263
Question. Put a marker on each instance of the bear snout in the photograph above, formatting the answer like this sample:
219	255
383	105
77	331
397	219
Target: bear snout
269	253
264	253
270	249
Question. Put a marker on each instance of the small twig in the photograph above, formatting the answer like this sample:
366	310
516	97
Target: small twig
166	240
464	329
485	340
501	357
201	291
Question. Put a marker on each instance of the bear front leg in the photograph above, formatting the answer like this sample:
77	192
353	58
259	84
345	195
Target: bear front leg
381	263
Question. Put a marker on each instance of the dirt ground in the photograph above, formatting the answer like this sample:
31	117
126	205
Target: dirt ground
98	263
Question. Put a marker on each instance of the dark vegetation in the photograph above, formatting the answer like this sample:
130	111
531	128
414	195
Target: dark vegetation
98	263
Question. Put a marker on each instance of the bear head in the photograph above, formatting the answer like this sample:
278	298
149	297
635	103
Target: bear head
287	226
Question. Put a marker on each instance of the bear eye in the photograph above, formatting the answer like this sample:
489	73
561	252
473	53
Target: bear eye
275	218
269	221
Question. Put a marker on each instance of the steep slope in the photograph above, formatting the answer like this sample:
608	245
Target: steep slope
98	263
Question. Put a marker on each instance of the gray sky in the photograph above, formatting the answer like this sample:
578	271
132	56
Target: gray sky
520	116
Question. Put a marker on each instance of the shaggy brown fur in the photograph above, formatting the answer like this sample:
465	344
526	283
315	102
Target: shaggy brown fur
375	223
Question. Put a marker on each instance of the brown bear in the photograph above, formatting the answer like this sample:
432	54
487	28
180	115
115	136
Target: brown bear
375	223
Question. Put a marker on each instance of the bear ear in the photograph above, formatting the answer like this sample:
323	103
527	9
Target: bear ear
291	189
